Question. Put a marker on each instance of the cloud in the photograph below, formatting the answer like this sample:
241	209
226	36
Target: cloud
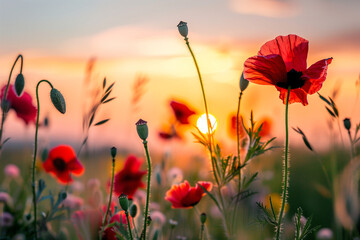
130	41
266	8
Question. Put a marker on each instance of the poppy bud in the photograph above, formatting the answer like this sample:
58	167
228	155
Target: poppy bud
113	152
5	106
243	83
124	202
347	123
58	100
62	196
19	84
142	129
183	29
133	210
203	218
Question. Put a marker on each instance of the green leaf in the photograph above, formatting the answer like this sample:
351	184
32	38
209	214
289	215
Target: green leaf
102	122
104	83
110	87
109	100
211	196
324	99
331	113
91	119
105	97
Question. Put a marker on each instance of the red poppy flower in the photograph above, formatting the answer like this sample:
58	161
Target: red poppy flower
61	162
282	62
128	180
182	112
266	127
184	196
22	105
169	132
109	233
232	127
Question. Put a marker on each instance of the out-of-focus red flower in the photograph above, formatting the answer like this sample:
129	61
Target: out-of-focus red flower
266	127
22	105
61	162
182	112
128	180
185	196
168	133
109	233
232	128
282	62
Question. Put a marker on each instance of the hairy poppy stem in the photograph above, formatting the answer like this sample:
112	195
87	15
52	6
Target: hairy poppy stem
110	198
35	152
206	109
148	187
3	116
286	170
129	226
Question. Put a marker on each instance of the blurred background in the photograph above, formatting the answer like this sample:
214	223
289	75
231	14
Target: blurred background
125	41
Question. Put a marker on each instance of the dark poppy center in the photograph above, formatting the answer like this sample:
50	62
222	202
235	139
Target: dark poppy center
293	80
59	164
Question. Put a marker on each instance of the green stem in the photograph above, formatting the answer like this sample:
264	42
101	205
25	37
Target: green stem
202	232
35	152
238	140
110	198
286	170
3	115
206	110
148	187
351	146
129	226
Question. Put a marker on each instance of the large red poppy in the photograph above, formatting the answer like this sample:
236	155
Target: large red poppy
185	196
61	162
282	62
128	180
22	105
182	112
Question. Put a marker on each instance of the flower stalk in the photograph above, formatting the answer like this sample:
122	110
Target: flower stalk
113	155
286	167
3	115
59	102
148	186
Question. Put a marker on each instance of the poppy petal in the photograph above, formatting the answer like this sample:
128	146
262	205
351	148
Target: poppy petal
76	167
265	70
296	95
292	48
316	75
64	177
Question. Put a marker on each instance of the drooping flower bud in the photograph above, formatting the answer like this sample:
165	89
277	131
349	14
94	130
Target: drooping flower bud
133	210
243	83
58	100
142	129
113	151
19	84
203	218
124	202
183	29
347	123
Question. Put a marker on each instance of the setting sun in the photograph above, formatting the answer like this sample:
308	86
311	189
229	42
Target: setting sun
202	123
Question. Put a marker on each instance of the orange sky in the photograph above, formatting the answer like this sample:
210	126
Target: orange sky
157	51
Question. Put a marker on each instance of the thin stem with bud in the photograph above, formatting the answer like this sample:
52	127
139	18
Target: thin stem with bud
3	115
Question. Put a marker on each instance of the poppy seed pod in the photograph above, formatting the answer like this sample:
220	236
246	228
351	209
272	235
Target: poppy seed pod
19	84
58	100
124	202
183	29
347	123
243	83
203	218
142	129
113	151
